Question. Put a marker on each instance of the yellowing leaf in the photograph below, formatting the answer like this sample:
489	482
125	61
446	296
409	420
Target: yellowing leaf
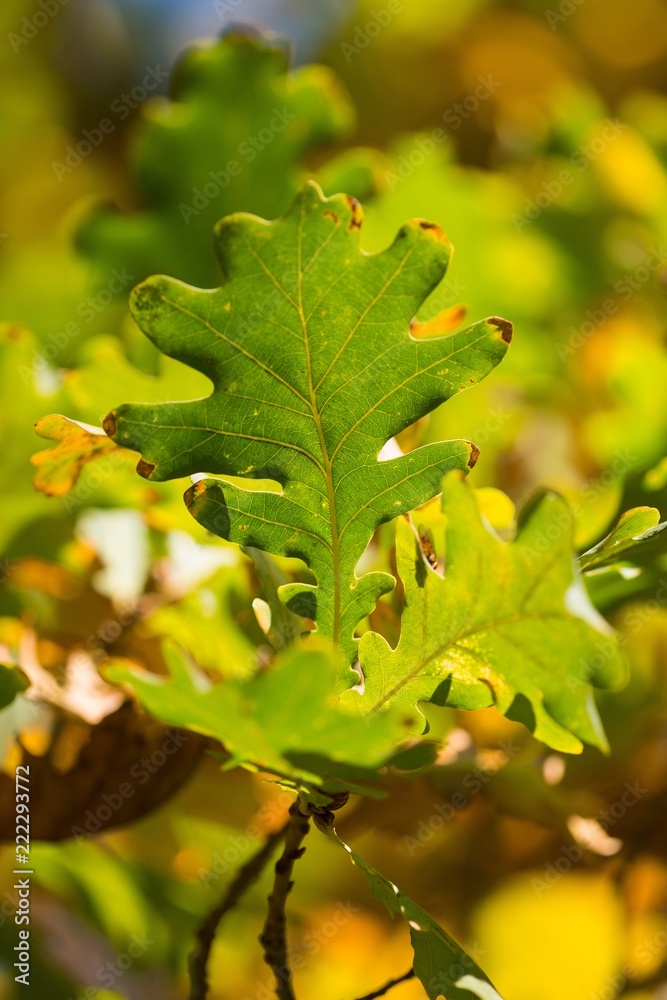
59	467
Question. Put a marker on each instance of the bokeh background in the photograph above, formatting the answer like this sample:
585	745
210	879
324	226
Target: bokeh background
535	133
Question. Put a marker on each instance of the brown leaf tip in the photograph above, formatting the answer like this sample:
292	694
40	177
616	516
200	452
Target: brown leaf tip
194	491
145	469
474	455
357	211
433	229
504	326
109	424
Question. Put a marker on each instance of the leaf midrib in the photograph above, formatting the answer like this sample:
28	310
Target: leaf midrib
328	476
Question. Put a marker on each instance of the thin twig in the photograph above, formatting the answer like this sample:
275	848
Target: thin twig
244	878
390	985
274	935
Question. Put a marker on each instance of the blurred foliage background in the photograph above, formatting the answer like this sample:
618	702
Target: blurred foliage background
535	133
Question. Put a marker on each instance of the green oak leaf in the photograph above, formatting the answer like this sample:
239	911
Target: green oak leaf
286	719
638	538
496	628
231	137
314	369
440	964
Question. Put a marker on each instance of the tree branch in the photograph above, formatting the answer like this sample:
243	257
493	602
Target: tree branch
244	878
274	937
390	985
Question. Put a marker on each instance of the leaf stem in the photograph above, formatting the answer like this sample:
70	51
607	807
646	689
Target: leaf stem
390	985
274	935
244	878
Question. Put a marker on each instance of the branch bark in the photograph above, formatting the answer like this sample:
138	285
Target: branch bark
244	878
390	985
274	935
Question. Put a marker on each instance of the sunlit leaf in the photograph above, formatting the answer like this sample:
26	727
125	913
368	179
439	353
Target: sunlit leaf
441	965
485	633
637	538
286	719
308	347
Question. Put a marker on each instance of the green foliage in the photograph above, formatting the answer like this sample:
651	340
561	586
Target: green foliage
190	172
441	965
637	539
308	346
285	720
483	633
12	682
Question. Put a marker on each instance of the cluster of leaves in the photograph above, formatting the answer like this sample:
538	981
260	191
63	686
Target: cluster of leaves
306	394
317	362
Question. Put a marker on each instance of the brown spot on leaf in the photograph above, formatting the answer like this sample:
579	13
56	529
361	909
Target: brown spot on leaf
428	546
503	326
147	296
194	491
331	215
433	229
474	455
357	212
109	424
145	469
190	494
